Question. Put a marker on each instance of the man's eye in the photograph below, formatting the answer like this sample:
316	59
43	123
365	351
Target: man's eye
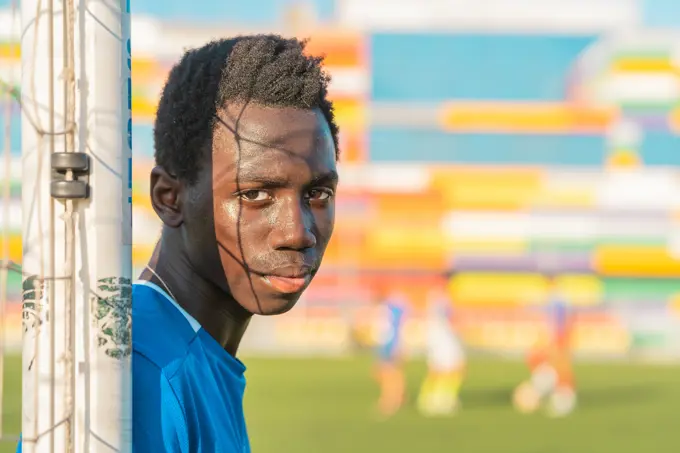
318	194
254	195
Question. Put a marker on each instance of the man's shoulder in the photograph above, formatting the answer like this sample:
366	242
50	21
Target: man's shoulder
160	333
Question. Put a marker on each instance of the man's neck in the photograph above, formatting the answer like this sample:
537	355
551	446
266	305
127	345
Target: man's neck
216	311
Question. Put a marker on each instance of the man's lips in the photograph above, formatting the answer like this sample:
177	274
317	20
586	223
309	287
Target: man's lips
287	279
287	285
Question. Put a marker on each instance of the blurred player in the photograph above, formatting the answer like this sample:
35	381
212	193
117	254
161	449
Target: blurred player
550	363
445	357
389	368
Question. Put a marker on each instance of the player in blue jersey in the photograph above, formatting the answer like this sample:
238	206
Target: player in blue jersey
244	184
389	368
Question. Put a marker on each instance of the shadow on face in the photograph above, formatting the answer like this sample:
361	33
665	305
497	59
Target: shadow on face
260	217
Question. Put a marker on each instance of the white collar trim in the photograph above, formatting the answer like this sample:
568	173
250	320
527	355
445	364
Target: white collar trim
192	321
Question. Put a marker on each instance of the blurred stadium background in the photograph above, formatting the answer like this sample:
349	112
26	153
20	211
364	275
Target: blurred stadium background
494	138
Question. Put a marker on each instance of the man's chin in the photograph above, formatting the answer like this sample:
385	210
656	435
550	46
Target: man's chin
277	307
268	304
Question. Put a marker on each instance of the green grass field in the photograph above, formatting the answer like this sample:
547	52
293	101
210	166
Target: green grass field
326	406
11	410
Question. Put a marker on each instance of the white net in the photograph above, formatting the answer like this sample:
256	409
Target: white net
51	315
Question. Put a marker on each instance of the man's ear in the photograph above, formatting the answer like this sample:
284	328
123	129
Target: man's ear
166	191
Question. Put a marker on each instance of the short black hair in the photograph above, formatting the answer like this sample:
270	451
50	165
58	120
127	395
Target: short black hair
268	70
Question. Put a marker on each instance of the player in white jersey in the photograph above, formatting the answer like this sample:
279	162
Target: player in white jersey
445	357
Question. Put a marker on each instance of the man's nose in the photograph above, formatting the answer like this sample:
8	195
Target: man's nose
293	227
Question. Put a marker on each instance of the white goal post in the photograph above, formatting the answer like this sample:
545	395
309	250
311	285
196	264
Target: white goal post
77	226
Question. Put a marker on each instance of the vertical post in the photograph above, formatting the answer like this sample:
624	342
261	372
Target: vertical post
45	420
104	244
77	226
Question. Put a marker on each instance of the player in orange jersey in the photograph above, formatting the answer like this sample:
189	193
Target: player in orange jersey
551	383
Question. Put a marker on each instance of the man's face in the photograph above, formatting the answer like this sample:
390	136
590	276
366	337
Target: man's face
273	179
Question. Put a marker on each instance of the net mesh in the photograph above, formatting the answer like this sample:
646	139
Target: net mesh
38	283
11	250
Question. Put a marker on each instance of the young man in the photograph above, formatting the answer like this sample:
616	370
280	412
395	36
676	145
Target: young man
445	357
246	149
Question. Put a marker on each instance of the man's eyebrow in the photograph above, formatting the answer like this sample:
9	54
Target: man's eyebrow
250	175
328	177
264	180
